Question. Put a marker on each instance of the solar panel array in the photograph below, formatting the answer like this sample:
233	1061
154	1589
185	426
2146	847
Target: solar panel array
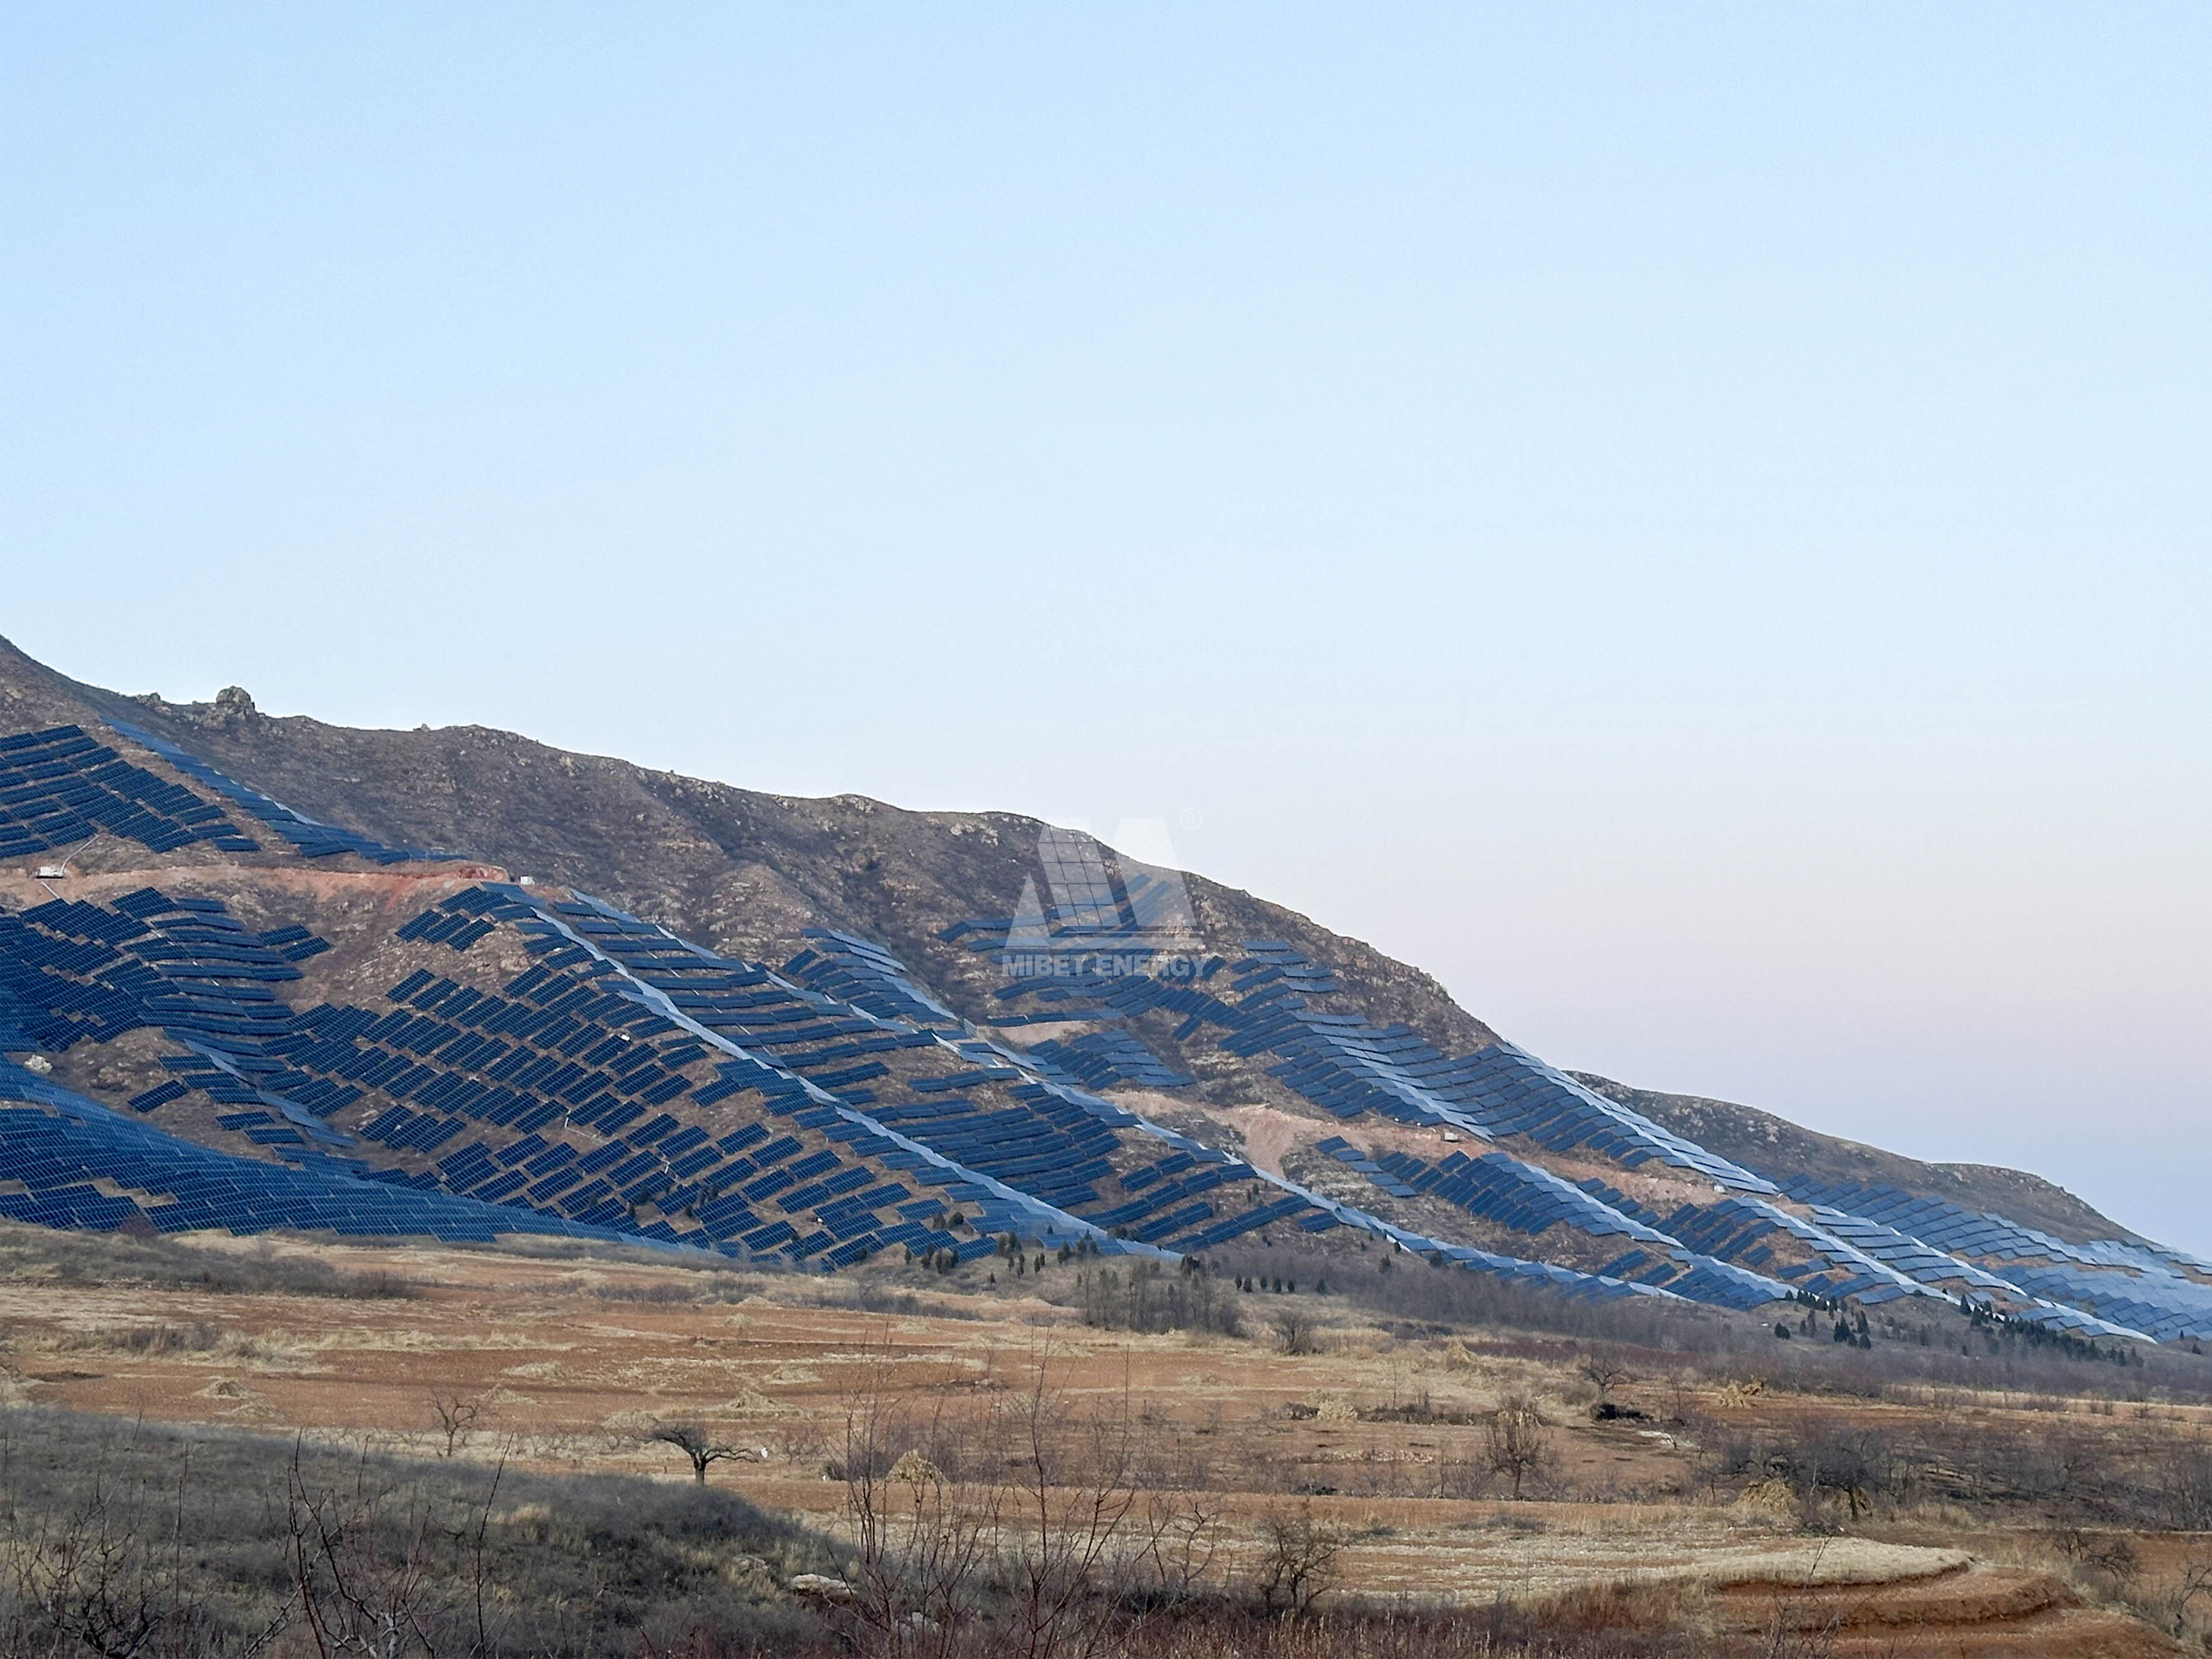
866	975
1343	1063
570	1098
73	971
59	787
1511	1091
186	966
77	1165
1505	1192
805	1049
2165	1306
2127	1284
1752	1233
1036	1152
1967	1282
1351	1067
1099	1060
572	1059
1496	1187
1953	1228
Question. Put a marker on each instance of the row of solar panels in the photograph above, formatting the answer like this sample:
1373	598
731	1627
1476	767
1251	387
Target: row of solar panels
1750	1230
1851	1257
1008	1147
1006	1150
1349	1067
1521	1196
275	1046
802	1031
1952	1227
2011	1295
59	787
2129	1282
74	970
309	837
1496	1187
1101	1060
562	1033
857	971
56	1144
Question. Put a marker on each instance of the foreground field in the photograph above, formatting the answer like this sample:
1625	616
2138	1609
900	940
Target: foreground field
1671	1498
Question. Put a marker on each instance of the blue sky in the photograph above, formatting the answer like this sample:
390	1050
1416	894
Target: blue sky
1690	523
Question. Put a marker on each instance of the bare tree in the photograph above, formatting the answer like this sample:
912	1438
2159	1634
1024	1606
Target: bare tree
913	1582
1181	1534
1297	1560
458	1416
1517	1442
1073	1496
1605	1374
2194	1584
1294	1332
694	1443
360	1592
105	1579
2188	1487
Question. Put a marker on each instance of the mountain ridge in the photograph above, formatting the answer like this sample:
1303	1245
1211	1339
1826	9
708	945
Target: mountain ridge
359	776
1349	1074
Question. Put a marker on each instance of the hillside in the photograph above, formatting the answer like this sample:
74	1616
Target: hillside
741	871
460	982
1762	1141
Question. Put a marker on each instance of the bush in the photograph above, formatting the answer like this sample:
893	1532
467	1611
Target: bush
197	1542
74	1258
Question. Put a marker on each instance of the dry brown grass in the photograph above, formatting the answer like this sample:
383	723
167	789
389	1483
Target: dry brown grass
574	1357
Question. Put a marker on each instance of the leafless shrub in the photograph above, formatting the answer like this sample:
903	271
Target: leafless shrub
110	1575
138	1541
2188	1487
1298	1559
2109	1559
1604	1373
458	1415
1073	1496
1181	1537
2193	1586
1023	1527
1294	1332
365	1568
914	1574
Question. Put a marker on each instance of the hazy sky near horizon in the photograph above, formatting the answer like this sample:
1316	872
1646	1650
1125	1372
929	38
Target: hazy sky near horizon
1690	523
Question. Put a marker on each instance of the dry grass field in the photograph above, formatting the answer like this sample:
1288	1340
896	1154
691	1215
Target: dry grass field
1665	1507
